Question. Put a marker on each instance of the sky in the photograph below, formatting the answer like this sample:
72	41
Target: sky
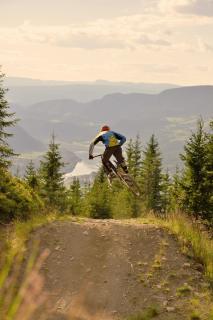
165	41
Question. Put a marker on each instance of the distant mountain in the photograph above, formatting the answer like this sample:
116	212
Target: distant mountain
83	179
31	148
130	113
21	141
171	115
26	91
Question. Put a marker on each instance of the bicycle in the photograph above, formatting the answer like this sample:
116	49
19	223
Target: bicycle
125	178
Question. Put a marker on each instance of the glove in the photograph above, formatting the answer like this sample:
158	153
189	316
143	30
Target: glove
91	157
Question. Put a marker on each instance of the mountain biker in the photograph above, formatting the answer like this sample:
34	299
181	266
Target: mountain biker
113	142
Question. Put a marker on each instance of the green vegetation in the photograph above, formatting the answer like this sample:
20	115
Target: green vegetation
195	241
97	199
74	197
6	120
52	188
150	313
184	290
17	199
197	179
151	176
134	156
195	316
31	176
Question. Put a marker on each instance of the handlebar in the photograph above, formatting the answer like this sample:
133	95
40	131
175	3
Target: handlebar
98	155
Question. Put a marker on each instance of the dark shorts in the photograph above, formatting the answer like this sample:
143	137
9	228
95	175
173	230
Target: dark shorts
115	151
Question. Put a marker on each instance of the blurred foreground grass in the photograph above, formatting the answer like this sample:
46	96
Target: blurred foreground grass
21	284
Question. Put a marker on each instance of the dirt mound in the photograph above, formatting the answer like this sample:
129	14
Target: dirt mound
106	269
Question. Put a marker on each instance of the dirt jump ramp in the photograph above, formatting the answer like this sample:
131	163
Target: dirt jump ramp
107	269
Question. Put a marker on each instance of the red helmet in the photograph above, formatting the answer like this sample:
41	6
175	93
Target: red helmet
105	128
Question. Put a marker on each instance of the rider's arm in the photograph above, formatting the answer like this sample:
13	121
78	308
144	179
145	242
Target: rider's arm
92	145
120	137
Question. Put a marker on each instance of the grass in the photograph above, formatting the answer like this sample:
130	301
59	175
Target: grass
22	291
150	313
183	291
192	238
155	266
195	316
197	244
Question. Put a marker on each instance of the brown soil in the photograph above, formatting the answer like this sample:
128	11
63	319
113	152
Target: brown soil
107	269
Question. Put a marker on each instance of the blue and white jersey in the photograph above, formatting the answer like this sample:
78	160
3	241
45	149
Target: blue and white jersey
109	139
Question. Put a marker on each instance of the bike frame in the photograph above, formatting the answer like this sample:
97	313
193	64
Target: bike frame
130	184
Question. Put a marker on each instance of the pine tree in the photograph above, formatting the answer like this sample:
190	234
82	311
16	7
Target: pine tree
75	197
98	199
129	153
165	192
197	192
31	176
137	155
52	176
209	169
134	155
151	176
6	120
176	192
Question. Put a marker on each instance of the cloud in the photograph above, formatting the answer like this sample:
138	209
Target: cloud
14	11
161	68
120	33
203	68
149	31
88	41
144	40
199	7
72	37
204	46
196	7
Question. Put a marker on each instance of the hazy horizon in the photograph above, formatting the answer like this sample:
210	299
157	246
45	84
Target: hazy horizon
84	81
101	81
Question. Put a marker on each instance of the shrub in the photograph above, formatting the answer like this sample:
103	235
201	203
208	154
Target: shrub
17	199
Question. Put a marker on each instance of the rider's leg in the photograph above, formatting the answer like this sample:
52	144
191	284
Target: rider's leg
120	159
105	159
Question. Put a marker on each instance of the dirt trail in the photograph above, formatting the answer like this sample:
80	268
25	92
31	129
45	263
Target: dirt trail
106	269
